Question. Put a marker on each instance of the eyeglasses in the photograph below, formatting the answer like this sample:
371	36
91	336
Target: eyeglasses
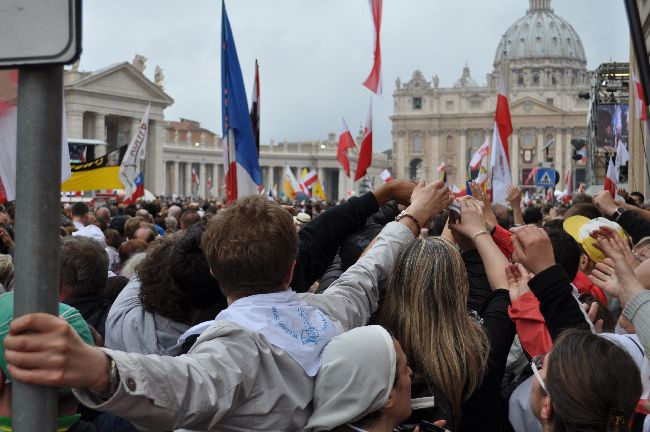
536	364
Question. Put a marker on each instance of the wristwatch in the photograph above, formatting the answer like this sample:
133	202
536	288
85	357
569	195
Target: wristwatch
617	213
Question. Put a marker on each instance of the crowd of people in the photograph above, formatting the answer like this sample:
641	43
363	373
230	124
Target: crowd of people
401	309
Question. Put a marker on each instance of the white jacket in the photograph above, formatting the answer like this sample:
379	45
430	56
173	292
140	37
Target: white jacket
235	380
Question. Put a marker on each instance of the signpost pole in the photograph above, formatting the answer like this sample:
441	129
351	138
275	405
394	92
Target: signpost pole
40	106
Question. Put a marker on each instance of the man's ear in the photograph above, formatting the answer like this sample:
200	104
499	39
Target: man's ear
391	401
289	276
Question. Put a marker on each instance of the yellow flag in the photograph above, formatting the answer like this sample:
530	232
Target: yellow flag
318	191
303	173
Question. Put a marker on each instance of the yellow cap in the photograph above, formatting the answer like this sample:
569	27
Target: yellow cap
580	228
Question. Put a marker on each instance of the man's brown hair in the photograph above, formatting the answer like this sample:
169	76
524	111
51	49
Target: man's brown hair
250	246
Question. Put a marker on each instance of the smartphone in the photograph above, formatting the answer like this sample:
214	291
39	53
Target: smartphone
426	426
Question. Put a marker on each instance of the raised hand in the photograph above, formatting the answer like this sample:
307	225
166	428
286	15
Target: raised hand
621	283
622	192
398	190
605	202
518	278
472	219
622	245
429	200
532	248
514	196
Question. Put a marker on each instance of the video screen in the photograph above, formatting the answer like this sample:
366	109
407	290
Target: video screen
612	125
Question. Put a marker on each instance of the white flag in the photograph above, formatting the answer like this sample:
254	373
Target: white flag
622	157
135	152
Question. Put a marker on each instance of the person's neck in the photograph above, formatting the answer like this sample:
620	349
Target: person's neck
236	296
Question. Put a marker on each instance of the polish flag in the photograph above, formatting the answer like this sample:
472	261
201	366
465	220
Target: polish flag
531	175
442	172
310	178
482	152
610	178
346	142
500	159
386	176
8	136
639	98
373	82
195	177
365	154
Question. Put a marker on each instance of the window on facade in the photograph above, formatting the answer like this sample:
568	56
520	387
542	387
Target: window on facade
549	148
449	105
417	103
553	80
549	101
449	144
520	79
416	145
529	139
475	104
536	79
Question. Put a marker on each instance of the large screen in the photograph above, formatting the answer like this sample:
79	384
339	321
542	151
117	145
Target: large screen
612	125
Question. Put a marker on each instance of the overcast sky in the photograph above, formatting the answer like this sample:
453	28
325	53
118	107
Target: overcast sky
314	54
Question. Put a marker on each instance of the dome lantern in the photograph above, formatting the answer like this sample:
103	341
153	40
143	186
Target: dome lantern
536	5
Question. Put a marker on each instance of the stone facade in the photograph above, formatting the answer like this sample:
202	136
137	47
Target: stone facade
545	72
106	106
189	146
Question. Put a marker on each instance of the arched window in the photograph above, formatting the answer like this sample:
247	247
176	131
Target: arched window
416	144
529	140
416	169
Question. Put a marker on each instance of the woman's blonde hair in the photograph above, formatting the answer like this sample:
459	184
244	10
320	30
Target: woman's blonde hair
426	310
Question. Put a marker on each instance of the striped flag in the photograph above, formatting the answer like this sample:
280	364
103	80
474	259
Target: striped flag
241	161
373	82
255	107
500	159
386	176
310	178
346	142
639	98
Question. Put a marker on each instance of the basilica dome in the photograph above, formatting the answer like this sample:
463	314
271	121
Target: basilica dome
541	35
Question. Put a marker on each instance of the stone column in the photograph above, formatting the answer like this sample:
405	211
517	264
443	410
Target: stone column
176	182
269	177
203	181
462	165
188	180
153	163
165	190
100	133
75	124
540	145
559	161
220	181
342	185
514	158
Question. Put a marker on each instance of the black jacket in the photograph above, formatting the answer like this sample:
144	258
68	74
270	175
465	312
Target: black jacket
635	225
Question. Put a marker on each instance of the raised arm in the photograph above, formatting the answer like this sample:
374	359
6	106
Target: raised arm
320	239
514	199
354	296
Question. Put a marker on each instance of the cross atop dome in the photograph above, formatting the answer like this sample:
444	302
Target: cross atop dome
540	5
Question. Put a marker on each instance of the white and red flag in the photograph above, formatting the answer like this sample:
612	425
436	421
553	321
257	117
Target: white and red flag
346	142
310	178
500	159
8	137
255	107
639	99
442	172
373	82
622	157
611	178
365	154
386	176
195	177
531	175
481	153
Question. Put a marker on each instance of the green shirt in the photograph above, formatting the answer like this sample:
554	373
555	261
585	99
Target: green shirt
63	423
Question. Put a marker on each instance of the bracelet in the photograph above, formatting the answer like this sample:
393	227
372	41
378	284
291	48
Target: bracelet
478	234
403	214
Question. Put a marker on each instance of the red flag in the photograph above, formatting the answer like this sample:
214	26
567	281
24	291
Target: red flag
3	194
373	82
255	107
500	159
346	142
639	97
531	175
365	154
610	178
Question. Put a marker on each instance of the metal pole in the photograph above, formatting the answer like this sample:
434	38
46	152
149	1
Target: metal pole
40	106
641	54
